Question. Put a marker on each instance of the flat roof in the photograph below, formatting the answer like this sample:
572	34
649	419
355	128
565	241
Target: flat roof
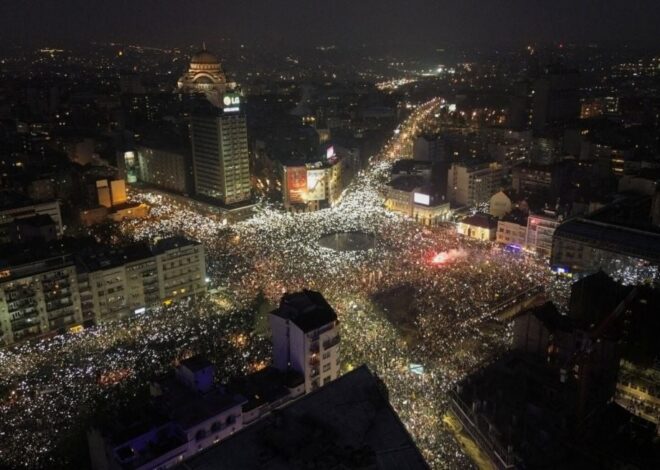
609	237
347	423
307	309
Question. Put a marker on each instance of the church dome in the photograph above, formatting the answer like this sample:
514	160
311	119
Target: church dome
204	57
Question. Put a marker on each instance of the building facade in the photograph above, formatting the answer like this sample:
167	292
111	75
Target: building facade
38	297
163	168
221	160
469	185
540	230
306	338
67	292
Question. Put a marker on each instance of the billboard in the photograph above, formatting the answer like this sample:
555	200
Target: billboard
424	199
131	165
296	184
231	103
315	185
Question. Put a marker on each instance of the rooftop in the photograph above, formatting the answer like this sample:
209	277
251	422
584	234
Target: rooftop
102	258
307	309
189	407
347	423
481	220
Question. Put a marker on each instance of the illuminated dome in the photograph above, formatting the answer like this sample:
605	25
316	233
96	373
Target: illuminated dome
205	76
204	57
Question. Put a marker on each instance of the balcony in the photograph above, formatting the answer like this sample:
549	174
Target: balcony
314	361
58	304
331	342
314	347
314	373
61	313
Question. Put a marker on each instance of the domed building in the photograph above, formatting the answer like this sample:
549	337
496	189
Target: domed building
205	75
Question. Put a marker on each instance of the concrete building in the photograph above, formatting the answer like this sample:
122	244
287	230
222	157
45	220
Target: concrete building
187	413
512	229
479	226
323	426
555	98
37	297
21	210
540	230
221	161
313	186
472	184
306	338
168	169
181	268
406	196
46	293
620	234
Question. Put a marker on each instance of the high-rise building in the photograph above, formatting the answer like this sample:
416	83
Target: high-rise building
306	338
556	98
220	152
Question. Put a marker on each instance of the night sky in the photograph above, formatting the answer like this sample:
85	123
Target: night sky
290	22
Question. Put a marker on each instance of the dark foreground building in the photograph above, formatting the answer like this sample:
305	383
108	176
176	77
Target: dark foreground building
348	423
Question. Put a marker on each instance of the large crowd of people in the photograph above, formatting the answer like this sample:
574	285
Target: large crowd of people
447	327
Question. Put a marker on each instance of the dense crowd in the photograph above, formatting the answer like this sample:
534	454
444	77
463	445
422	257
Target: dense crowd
446	324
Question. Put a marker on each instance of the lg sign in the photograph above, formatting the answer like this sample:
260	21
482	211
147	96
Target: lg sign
231	100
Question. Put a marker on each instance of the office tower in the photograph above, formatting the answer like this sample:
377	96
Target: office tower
556	98
220	153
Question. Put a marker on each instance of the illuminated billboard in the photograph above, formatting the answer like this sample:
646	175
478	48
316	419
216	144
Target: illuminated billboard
296	184
330	152
231	103
131	165
423	199
315	185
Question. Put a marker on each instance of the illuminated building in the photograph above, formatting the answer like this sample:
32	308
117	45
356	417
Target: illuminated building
620	234
512	229
121	282
540	230
112	204
500	205
54	289
181	268
405	195
306	338
472	184
314	186
164	168
479	226
205	76
37	296
220	153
